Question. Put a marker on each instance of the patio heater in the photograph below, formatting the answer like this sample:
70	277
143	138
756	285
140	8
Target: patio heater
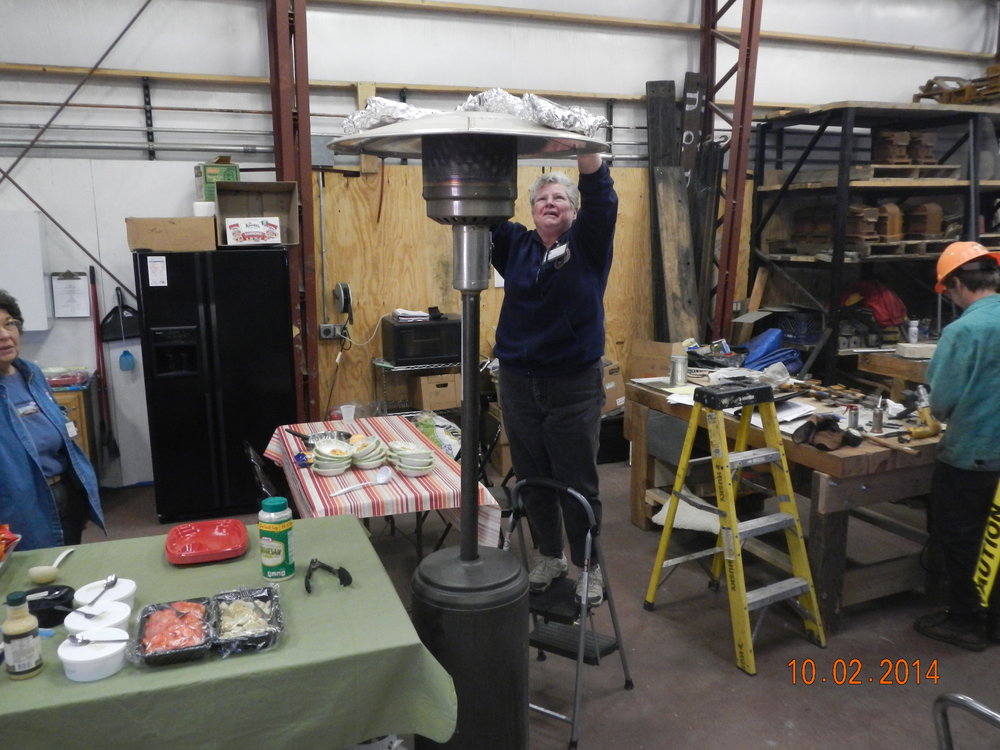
470	606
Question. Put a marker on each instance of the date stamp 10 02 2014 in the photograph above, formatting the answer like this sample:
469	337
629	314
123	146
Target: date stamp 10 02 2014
856	672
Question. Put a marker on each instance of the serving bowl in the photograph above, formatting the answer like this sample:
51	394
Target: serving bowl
95	660
108	614
122	591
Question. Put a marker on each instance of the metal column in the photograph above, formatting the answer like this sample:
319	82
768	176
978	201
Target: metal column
745	71
288	56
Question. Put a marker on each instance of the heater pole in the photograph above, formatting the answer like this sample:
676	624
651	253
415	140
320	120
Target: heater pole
469	542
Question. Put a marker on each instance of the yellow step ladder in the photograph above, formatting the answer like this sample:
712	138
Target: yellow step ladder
737	537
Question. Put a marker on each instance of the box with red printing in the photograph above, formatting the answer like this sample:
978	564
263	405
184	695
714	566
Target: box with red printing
253	230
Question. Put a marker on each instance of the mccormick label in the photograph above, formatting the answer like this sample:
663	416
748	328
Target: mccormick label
276	550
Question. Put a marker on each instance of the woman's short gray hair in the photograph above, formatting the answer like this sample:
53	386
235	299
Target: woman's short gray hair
8	303
555	178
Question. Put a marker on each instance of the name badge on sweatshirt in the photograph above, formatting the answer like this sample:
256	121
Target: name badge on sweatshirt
559	251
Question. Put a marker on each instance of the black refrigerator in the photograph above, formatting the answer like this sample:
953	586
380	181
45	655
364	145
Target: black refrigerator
218	368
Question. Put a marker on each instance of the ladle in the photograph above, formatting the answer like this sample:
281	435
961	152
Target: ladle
382	476
47	573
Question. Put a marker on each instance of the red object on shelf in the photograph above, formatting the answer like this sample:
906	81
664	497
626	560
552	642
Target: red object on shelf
206	541
67	378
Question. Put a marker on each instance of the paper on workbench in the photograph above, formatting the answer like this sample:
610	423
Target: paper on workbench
787	411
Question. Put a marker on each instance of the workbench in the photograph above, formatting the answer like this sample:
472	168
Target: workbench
902	370
844	482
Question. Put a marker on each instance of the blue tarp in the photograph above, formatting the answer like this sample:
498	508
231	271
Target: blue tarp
766	349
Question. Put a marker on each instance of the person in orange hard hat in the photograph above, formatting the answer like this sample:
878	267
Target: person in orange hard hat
964	380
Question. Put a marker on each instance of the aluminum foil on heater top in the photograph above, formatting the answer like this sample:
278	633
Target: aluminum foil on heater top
379	111
573	119
495	100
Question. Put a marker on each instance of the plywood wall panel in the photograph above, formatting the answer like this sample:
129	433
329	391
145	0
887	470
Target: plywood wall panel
378	239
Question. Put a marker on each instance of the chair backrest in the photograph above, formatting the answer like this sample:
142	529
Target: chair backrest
264	485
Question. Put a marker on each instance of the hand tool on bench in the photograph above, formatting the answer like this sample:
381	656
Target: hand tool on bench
881	440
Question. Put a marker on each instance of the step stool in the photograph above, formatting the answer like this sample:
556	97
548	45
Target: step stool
560	625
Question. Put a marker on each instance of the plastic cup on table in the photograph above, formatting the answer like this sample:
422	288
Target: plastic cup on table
347	412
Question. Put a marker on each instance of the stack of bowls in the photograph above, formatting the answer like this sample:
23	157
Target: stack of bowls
410	459
369	452
332	457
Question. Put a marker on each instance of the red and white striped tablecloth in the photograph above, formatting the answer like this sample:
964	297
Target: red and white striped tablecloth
440	490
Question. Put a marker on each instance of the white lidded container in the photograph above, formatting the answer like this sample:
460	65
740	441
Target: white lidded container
122	591
107	615
93	661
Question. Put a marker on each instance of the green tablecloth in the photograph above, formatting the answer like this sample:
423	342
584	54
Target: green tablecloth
349	665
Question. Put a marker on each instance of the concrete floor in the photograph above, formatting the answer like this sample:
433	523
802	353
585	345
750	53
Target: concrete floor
688	693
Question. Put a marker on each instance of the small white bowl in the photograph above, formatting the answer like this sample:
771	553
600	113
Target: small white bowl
93	661
368	446
333	449
406	462
330	463
330	472
122	591
402	447
109	614
414	472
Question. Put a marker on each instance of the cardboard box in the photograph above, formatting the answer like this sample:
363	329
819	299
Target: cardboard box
220	169
182	234
435	392
614	387
234	200
651	359
258	230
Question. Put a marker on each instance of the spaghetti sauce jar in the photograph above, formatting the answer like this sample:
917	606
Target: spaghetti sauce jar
274	522
22	645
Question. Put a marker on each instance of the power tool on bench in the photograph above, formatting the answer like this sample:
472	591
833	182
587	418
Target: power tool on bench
919	401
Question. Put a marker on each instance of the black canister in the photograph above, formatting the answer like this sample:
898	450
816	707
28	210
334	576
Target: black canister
50	604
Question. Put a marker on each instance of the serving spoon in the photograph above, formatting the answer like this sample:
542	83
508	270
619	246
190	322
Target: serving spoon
79	640
109	583
382	476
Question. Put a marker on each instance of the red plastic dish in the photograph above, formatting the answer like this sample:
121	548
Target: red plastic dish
206	541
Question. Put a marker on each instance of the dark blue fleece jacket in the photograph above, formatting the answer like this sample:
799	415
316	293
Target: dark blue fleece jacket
552	318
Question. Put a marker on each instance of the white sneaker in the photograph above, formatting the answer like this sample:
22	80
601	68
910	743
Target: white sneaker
546	570
595	587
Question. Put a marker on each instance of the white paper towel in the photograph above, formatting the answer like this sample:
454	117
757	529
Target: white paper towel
204	208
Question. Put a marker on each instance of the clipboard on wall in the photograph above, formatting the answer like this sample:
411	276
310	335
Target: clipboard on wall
70	294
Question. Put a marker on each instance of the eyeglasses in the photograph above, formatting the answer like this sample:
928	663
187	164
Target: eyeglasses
11	325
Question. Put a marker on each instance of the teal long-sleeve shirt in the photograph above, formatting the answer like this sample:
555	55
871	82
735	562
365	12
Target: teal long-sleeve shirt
964	380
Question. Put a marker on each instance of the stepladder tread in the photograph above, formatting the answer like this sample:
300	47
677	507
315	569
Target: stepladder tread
778	591
765	524
753	457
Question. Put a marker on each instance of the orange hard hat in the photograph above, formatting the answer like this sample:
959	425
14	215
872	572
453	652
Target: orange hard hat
958	254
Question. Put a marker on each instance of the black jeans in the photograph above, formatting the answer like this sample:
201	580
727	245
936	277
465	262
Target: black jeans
554	426
956	519
71	502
